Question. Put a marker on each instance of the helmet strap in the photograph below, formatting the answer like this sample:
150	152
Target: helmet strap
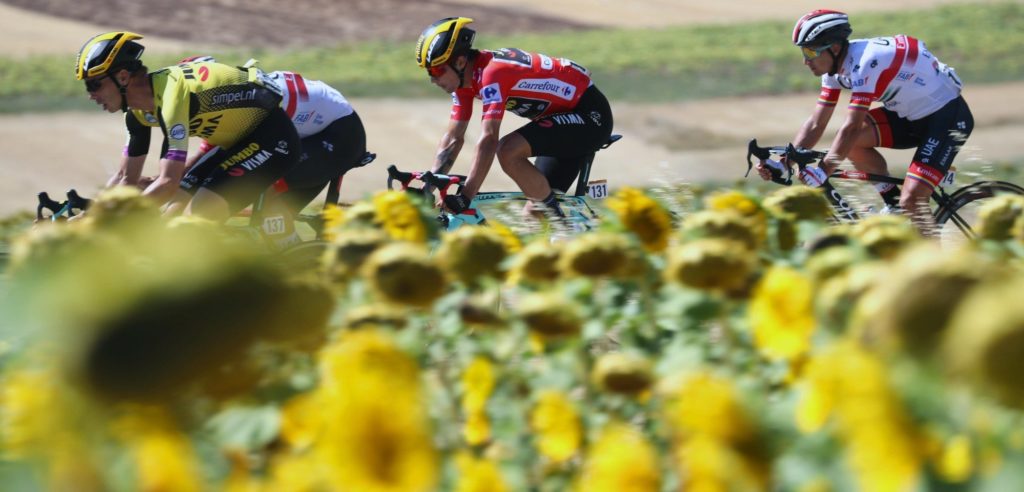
124	92
838	59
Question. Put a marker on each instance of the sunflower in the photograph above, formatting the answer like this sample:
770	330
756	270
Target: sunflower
537	262
348	250
742	204
885	235
478	474
473	253
621	460
556	425
985	339
549	315
624	373
710	264
121	207
803	202
781	314
400	216
997	216
595	254
722	225
643	216
404	274
705	404
375	315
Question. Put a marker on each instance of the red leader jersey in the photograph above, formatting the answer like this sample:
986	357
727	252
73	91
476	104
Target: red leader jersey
530	85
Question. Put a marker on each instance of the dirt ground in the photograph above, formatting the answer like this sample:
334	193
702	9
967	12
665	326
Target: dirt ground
664	143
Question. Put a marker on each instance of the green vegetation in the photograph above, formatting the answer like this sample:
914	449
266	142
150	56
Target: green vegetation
983	42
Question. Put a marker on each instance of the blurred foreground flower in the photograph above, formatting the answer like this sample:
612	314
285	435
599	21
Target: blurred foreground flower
473	253
803	202
549	315
478	474
885	235
985	340
643	216
477	384
996	217
375	434
556	424
781	314
401	217
621	460
349	249
405	274
595	254
537	262
709	224
710	264
740	203
624	373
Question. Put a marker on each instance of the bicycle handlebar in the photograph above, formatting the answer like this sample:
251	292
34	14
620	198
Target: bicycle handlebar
799	155
440	181
58	209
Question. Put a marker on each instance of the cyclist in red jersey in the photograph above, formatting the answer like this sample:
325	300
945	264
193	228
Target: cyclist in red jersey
921	107
570	118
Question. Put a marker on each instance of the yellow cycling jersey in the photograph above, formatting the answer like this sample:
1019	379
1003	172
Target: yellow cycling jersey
212	101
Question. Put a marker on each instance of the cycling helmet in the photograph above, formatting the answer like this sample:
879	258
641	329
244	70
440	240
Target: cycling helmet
106	53
200	58
821	28
443	41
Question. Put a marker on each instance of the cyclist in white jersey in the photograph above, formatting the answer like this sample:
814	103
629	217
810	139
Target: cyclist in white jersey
921	107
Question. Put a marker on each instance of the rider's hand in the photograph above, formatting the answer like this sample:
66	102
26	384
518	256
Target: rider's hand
813	176
765	166
456	203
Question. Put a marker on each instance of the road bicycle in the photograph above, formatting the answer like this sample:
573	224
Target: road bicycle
579	215
955	213
263	226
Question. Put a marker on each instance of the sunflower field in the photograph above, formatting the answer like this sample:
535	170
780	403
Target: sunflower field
698	341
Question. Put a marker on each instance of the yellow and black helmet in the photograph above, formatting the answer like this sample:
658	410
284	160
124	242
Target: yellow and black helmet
444	40
108	52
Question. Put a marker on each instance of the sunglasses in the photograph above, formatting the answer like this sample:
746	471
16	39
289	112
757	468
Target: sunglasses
93	85
812	53
436	72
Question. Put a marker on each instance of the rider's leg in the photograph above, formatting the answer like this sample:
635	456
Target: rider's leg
176	205
208	204
875	132
514	156
914	202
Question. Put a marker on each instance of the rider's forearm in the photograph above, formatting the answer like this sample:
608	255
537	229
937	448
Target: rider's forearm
809	134
447	151
129	172
485	151
164	186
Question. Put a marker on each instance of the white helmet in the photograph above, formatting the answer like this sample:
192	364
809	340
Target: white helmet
821	28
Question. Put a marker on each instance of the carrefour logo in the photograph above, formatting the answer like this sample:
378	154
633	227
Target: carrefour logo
491	93
554	87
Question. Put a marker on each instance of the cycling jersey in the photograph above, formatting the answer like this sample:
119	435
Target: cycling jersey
530	85
897	71
311	104
216	102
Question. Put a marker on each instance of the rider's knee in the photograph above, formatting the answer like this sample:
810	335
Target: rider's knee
512	148
209	205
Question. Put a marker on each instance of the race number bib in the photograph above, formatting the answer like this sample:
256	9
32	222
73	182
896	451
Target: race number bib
597	189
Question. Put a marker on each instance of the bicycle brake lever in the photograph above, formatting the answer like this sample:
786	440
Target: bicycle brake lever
45	202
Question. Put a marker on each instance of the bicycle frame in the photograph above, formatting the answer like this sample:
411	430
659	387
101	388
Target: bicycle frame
577	210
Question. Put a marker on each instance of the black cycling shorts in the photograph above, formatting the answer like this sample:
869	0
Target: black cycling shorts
240	173
332	152
937	137
564	142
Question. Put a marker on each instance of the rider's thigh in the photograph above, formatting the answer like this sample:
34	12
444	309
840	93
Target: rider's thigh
208	204
513	146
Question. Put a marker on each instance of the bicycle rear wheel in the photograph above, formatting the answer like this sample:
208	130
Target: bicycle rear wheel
957	221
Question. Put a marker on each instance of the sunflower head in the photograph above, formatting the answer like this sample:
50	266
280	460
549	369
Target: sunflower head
349	249
537	262
374	315
803	202
550	315
122	206
403	273
710	264
885	235
643	216
624	373
742	204
596	254
721	225
996	217
985	340
472	253
402	217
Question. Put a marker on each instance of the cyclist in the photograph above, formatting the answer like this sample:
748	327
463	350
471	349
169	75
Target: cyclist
236	109
333	138
570	118
921	107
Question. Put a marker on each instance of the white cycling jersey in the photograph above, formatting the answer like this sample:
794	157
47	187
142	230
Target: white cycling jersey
311	104
897	71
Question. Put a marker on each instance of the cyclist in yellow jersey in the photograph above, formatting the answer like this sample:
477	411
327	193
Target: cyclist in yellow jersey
230	107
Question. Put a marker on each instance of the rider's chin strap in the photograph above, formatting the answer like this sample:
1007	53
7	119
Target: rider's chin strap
838	59
124	93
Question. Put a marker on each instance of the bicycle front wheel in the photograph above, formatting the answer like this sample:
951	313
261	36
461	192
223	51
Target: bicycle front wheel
958	219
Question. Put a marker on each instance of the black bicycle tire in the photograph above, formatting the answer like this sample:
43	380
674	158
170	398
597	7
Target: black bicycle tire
971	193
